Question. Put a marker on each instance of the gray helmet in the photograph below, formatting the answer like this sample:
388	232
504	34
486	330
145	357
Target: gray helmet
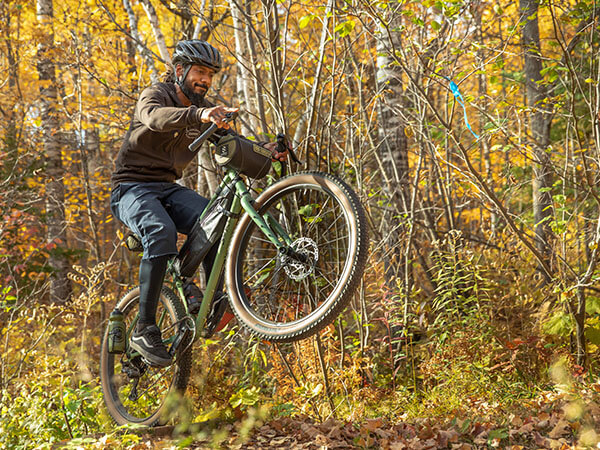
195	51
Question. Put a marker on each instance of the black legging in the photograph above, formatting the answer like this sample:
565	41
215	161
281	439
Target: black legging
152	275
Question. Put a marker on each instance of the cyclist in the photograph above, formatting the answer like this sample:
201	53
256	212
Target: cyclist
145	197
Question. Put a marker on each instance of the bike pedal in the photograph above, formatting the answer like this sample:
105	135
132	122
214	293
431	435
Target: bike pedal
215	316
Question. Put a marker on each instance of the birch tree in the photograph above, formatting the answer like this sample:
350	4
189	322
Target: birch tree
244	76
158	34
60	288
135	37
392	145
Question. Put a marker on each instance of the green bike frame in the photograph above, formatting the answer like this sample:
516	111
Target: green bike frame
242	200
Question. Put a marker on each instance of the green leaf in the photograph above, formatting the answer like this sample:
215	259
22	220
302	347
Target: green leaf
592	305
593	335
306	210
560	323
435	25
345	28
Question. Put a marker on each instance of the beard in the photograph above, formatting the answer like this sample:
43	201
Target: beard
195	98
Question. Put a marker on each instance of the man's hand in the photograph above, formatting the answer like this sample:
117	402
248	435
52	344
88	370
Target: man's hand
217	115
275	154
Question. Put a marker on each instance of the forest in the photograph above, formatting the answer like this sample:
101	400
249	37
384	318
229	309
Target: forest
470	130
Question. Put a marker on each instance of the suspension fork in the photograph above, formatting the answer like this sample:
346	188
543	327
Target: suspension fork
267	224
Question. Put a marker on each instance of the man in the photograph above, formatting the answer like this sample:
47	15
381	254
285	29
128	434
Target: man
167	118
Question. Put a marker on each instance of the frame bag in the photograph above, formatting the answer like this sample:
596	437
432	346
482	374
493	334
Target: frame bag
205	233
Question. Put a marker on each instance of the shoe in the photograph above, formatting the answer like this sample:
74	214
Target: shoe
148	343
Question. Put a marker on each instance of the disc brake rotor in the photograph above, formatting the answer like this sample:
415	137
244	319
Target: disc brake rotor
298	270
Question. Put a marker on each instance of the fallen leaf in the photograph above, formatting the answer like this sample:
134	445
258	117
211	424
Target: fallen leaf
398	445
543	416
335	433
426	433
309	430
516	421
527	428
539	440
445	437
373	424
481	438
562	428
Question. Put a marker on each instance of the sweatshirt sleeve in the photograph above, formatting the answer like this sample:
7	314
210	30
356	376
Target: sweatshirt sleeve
153	112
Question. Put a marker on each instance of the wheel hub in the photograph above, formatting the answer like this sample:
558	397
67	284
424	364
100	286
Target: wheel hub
298	270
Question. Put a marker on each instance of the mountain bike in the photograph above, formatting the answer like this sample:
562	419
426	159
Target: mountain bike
292	259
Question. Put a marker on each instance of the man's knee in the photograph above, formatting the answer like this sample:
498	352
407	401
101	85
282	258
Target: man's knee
159	239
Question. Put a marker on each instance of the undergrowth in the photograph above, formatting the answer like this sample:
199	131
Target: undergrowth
476	346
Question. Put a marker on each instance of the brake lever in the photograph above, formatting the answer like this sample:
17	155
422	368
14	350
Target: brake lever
282	147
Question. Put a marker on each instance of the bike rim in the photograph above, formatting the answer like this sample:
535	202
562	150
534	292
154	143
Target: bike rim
318	223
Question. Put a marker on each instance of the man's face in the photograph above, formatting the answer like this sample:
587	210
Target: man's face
197	82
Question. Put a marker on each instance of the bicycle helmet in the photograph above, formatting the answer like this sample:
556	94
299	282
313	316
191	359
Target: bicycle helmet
195	51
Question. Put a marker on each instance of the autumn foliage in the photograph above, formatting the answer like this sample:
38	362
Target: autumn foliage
468	129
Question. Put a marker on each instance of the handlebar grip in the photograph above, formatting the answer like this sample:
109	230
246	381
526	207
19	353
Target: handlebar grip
200	139
229	117
282	146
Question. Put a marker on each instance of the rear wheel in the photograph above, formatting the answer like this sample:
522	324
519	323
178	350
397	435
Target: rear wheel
283	297
134	391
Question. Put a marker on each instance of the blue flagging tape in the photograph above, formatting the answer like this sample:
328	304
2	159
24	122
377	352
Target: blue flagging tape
460	100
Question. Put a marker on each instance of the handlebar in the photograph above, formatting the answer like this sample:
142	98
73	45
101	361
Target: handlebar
229	117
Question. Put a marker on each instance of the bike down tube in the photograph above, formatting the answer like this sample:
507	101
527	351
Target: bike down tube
227	179
217	269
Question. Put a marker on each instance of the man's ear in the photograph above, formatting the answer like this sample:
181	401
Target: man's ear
178	71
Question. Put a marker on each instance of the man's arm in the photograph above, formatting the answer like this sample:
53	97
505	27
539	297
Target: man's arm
152	111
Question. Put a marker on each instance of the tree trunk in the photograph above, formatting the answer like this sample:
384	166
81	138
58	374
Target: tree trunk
392	147
258	90
539	123
199	14
158	35
144	53
482	81
304	127
244	76
60	287
276	65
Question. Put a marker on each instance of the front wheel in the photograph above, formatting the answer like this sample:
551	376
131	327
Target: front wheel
286	297
135	392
